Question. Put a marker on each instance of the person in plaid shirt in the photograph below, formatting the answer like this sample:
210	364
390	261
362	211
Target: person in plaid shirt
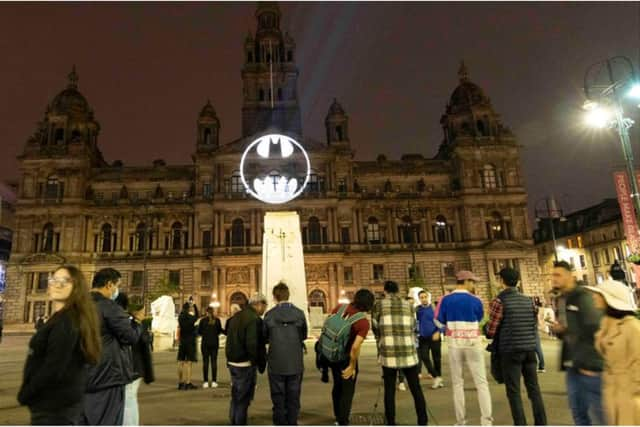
394	325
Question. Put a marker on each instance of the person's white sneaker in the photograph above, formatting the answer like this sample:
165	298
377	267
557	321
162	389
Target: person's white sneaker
205	385
402	387
437	383
214	385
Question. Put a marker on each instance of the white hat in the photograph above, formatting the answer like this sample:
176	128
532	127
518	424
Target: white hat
616	294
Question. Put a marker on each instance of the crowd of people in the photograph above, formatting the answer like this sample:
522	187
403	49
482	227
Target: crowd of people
87	361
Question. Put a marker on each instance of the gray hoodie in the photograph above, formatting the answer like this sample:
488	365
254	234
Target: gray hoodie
285	329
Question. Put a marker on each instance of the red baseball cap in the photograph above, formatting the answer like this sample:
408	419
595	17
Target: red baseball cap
466	275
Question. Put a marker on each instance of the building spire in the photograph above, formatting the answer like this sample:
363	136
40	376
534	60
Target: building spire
463	73
73	78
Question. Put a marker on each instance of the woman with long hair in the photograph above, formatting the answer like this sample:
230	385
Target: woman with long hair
55	372
210	330
617	342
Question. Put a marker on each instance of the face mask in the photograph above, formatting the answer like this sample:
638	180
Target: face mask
115	294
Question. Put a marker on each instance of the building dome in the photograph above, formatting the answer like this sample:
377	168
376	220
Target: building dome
467	93
208	111
70	100
336	109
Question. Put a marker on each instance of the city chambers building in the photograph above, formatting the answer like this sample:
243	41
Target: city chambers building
194	230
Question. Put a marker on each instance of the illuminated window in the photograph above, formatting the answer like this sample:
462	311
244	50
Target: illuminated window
373	231
378	272
236	183
489	180
570	244
580	242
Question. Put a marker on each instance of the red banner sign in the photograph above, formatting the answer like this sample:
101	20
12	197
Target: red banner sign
628	215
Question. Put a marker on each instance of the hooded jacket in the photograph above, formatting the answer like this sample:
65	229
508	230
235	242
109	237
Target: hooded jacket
115	367
285	329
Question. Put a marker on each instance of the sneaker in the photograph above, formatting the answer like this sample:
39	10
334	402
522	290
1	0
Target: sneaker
542	371
437	383
181	386
205	385
402	387
214	385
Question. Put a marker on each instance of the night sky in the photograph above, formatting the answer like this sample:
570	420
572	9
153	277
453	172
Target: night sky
148	68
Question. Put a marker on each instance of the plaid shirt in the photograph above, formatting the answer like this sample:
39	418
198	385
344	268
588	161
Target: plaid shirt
394	325
495	317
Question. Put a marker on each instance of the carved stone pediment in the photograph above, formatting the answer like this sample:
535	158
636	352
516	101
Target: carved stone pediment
317	273
237	275
43	258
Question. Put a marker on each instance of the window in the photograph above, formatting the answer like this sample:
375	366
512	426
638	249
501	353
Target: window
53	189
106	238
314	231
342	185
236	183
141	237
174	277
47	238
59	136
43	281
206	239
279	94
348	274
596	258
206	190
289	56
345	236
572	262
205	279
489	177
579	238
406	231
378	272
261	95
495	228
583	261
373	231
339	133
585	279
313	185
440	229
207	136
607	258
449	272
137	279
570	244
237	233
176	236
249	56
618	253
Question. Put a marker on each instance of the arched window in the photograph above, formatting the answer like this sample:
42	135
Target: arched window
237	233
207	136
58	137
373	231
141	236
236	183
238	298
440	229
261	95
489	180
317	298
315	231
496	227
106	232
176	236
47	237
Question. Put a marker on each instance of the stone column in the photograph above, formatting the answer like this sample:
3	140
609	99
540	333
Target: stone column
353	232
195	239
88	243
222	295
459	228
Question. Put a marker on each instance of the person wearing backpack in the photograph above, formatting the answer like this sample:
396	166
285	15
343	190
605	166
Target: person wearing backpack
394	325
285	329
342	336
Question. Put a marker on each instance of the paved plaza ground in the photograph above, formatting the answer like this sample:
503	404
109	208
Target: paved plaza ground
161	403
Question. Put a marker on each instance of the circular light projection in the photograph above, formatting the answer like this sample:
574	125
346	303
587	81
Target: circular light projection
272	151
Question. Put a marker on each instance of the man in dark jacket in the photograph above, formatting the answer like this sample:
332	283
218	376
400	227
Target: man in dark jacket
104	397
579	356
513	323
285	329
245	356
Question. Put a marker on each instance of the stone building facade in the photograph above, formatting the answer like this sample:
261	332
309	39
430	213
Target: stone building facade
193	226
591	240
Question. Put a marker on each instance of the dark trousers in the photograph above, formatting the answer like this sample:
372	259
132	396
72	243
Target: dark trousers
209	354
515	365
70	416
539	353
104	407
342	393
427	350
411	376
285	396
585	398
243	387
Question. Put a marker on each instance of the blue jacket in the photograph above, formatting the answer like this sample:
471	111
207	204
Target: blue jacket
426	323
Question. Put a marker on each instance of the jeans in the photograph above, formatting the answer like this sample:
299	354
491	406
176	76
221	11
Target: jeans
539	353
411	375
285	396
131	414
209	354
243	387
427	349
342	393
474	358
515	365
585	398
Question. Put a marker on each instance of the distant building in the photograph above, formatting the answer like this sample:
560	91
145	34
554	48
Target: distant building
194	226
7	223
590	239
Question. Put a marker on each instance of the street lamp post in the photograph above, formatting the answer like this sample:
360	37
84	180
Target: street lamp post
604	84
550	213
406	215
